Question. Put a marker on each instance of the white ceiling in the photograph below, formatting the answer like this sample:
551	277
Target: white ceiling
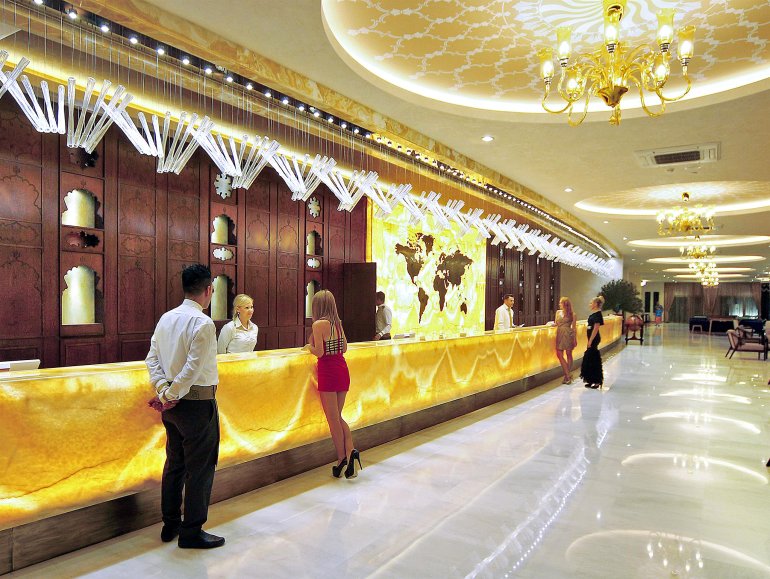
542	153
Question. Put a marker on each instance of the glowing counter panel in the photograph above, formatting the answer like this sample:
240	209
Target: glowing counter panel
73	437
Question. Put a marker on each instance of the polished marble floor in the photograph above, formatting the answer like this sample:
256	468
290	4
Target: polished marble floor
661	474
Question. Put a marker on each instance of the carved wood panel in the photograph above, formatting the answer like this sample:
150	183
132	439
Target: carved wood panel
19	141
175	292
21	289
288	297
135	169
13	351
20	187
335	245
258	287
291	337
81	353
20	233
134	349
257	258
188	181
288	234
258	196
358	233
286	206
183	217
136	295
257	229
136	246
136	210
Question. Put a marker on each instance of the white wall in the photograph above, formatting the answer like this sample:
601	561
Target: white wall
581	286
652	286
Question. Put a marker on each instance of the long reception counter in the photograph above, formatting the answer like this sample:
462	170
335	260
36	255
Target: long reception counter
79	436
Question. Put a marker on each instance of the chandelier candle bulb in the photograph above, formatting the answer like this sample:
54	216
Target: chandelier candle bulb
665	28
564	44
613	12
686	45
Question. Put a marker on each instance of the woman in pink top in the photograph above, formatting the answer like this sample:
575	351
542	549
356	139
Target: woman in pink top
329	344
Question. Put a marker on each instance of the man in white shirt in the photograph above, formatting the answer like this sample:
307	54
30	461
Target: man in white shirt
504	314
383	318
183	369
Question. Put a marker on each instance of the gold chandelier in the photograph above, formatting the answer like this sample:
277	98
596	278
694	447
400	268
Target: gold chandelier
684	220
709	279
697	250
611	70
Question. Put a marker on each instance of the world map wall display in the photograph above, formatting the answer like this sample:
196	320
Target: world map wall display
433	280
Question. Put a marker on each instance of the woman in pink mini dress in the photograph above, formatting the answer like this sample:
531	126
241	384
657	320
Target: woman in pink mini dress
329	344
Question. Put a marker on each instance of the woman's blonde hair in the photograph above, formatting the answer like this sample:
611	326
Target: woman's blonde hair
325	308
566	306
598	301
240	301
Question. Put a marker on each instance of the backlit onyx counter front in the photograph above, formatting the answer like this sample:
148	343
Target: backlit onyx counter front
79	436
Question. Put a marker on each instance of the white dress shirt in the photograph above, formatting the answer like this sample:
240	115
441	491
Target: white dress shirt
183	351
383	320
235	338
504	318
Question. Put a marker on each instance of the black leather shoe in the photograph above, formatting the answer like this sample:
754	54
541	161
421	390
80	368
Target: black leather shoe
202	540
168	533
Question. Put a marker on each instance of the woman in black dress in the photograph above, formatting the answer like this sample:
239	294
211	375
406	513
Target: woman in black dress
591	368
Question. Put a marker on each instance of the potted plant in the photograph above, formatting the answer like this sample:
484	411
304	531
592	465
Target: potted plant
621	296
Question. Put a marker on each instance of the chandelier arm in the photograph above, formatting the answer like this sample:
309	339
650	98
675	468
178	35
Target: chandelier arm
665	98
589	94
545	107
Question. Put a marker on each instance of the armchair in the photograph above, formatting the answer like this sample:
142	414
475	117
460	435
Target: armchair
738	344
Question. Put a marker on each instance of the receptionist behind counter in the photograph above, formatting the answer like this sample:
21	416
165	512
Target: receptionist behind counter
239	335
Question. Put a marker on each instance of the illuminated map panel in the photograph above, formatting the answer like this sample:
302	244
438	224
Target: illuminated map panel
433	279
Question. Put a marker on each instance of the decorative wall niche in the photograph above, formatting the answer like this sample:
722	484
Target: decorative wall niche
82	209
81	240
314	208
314	263
314	245
223	253
223	186
311	289
224	230
222	299
79	299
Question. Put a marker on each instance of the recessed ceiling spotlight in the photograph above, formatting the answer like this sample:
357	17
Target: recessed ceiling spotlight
487	138
356	131
268	94
285	100
605	221
161	50
133	39
344	125
38	2
208	70
625	239
72	13
317	114
568	189
330	119
185	60
104	27
229	78
249	86
301	107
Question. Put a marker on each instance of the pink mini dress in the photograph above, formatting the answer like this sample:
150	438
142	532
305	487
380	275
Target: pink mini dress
333	374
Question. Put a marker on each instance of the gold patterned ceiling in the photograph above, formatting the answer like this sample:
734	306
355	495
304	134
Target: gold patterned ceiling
481	53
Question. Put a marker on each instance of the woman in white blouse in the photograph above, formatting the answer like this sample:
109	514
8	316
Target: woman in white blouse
240	335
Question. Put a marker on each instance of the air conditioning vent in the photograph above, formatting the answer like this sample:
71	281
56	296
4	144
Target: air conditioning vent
672	156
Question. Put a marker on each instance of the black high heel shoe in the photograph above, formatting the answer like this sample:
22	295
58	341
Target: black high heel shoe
337	470
350	472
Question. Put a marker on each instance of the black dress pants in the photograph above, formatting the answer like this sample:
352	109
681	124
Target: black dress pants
192	450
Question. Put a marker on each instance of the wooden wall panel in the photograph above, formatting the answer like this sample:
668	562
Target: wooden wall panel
19	141
150	226
21	273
